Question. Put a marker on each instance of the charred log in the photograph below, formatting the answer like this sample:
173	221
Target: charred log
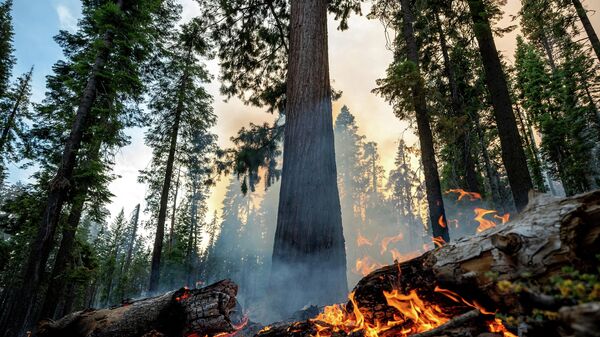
206	311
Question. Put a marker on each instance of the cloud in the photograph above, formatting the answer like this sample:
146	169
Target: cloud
66	19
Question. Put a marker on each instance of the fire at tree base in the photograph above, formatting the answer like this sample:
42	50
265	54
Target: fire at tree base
536	275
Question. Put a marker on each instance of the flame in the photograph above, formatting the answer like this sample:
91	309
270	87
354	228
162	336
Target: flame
505	218
365	266
458	299
441	222
485	223
414	316
390	239
439	241
236	328
496	326
363	241
462	193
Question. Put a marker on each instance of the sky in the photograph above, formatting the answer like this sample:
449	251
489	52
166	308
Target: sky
358	57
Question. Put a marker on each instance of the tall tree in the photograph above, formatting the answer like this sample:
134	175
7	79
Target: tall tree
407	69
16	104
7	59
513	155
182	115
308	255
114	39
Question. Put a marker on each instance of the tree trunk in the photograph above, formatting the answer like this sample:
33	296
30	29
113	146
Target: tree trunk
587	25
164	199
58	279
464	142
491	172
173	211
437	215
184	312
309	261
547	236
131	244
13	112
513	155
17	316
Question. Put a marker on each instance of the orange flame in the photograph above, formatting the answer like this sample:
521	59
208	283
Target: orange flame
390	239
363	241
236	328
497	327
441	222
504	218
439	241
365	266
462	193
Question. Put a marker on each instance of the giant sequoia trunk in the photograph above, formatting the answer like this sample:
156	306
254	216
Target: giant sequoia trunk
533	248
437	215
196	312
22	300
587	25
513	155
309	261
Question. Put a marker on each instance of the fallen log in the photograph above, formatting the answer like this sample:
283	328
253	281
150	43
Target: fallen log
205	311
531	250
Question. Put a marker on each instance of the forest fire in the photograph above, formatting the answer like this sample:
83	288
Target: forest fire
365	266
413	315
485	223
385	242
462	193
362	241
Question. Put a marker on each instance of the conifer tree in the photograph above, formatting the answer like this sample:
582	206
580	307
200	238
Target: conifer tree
7	59
182	116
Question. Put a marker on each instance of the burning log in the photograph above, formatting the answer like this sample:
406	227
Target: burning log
185	312
435	294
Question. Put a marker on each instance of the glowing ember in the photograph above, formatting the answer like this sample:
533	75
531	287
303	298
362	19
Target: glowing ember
462	193
363	241
497	327
365	266
390	239
186	294
236	328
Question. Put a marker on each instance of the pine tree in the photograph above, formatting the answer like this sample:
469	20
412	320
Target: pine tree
513	156
405	88
107	52
14	129
7	59
182	114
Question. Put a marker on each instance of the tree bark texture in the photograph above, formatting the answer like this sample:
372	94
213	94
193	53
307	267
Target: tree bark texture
206	311
513	155
437	214
309	261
